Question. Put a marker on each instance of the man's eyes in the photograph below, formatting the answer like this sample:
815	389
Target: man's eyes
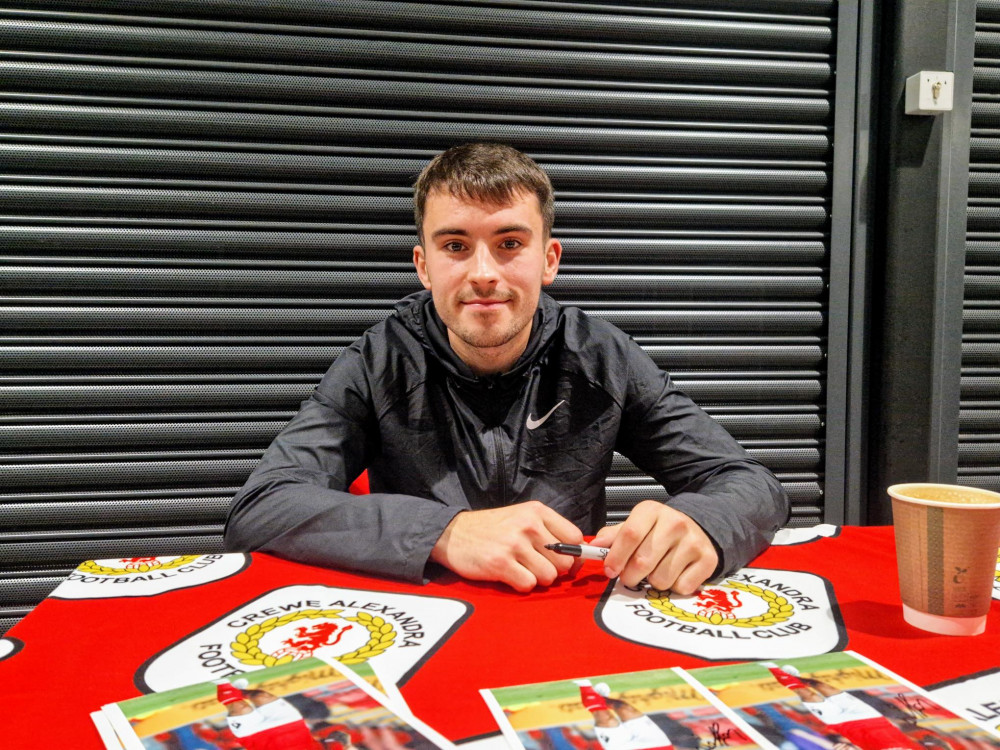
510	243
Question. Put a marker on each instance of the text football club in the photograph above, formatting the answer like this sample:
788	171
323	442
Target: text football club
394	632
146	576
754	613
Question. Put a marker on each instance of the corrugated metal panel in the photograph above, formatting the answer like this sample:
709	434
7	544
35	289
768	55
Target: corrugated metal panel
979	416
204	201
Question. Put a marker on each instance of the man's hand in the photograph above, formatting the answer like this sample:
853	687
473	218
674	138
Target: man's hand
508	545
660	544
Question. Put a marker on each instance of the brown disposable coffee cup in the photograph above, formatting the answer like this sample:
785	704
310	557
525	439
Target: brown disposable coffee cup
946	551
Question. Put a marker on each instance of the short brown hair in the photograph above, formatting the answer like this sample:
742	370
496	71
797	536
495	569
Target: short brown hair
489	173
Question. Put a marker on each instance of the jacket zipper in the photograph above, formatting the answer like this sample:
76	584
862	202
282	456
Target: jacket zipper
496	433
501	469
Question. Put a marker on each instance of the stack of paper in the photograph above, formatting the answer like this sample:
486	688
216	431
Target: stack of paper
312	704
833	701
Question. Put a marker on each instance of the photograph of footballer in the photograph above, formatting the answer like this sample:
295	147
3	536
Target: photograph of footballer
650	710
838	701
308	704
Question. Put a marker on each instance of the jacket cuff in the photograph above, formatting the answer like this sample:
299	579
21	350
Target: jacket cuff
423	539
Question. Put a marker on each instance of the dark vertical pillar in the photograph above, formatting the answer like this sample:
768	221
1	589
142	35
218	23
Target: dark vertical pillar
921	256
851	222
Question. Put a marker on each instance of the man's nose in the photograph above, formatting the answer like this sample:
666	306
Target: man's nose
484	266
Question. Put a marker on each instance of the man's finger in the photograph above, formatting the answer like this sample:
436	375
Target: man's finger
518	577
654	553
629	536
664	553
666	574
543	569
693	576
560	527
606	536
555	528
561	562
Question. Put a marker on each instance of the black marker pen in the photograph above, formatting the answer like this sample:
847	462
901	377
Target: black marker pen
586	551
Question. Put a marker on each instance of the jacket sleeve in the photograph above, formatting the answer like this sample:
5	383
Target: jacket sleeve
737	501
296	505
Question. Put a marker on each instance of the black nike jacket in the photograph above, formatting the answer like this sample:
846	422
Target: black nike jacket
437	440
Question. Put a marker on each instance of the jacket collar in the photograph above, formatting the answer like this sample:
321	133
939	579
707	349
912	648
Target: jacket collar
420	318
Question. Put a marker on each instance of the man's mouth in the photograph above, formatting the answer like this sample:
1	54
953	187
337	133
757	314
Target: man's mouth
484	301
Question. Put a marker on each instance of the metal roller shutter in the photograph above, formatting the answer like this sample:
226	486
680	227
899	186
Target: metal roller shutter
205	200
979	416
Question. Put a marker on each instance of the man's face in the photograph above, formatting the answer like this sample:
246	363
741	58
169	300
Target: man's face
239	708
485	266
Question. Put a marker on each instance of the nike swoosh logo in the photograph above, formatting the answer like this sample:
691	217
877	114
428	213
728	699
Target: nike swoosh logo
532	423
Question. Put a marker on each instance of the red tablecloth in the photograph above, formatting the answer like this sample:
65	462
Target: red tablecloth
72	656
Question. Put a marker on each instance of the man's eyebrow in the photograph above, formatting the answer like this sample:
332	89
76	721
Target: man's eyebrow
514	228
457	231
449	230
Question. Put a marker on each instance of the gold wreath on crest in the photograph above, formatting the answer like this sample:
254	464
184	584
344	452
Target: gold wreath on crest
246	647
91	566
778	607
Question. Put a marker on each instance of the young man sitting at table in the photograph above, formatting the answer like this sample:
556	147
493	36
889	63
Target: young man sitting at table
487	415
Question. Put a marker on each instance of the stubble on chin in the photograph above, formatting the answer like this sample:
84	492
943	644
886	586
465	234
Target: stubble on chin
488	337
485	334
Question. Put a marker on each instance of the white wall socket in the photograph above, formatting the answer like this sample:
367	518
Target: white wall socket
930	92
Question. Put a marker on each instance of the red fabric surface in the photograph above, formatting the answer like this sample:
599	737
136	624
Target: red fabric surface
360	485
80	654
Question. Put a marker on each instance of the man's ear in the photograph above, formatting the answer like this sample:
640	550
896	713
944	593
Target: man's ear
553	252
420	263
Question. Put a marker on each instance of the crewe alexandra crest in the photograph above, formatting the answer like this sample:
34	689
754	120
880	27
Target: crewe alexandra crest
754	613
396	632
146	576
